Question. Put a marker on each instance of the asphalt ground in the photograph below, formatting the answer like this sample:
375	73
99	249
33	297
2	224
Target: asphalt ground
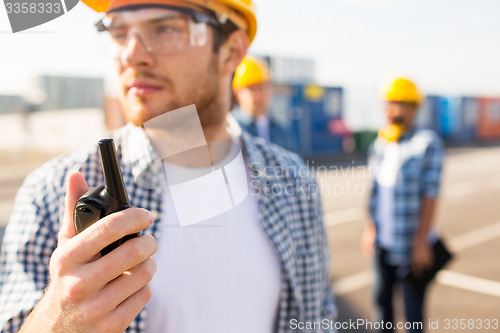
468	217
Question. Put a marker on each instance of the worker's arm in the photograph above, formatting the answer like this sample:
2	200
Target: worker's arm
370	231
90	293
368	239
430	180
422	256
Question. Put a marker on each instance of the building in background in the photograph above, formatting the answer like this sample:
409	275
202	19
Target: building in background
288	70
63	93
12	104
56	93
57	114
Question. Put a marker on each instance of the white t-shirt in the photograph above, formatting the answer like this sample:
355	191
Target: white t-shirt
222	274
386	178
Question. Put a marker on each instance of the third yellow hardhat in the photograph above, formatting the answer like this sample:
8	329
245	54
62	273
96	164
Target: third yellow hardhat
252	70
240	12
402	90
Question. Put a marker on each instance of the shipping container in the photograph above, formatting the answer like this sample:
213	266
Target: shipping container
321	106
488	122
441	114
307	112
285	110
451	119
429	114
468	115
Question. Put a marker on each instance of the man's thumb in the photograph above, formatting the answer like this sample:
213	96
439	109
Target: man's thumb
76	186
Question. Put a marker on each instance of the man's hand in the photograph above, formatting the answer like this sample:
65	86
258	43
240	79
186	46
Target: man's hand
90	293
422	257
368	240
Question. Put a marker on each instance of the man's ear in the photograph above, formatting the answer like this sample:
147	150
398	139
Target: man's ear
231	53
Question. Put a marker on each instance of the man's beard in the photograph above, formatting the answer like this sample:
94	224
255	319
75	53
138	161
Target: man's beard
206	99
207	102
205	96
399	120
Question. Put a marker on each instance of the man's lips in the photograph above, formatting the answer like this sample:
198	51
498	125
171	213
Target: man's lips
142	88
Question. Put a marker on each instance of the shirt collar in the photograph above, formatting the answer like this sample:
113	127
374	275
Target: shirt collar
408	134
138	152
256	160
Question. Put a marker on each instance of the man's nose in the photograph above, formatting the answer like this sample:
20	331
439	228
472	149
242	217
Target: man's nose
397	114
396	110
137	52
257	95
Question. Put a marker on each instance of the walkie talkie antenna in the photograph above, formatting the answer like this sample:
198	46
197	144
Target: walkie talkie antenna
112	174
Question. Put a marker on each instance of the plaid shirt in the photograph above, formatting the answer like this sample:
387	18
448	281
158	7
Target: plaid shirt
293	221
421	158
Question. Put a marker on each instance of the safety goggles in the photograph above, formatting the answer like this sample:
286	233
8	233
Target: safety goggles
162	31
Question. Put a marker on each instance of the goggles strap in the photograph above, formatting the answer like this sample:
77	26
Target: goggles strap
223	11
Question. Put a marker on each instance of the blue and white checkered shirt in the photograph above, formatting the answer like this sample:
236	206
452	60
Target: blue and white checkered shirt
421	159
293	220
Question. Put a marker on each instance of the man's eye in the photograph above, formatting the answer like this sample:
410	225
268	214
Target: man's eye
166	29
118	36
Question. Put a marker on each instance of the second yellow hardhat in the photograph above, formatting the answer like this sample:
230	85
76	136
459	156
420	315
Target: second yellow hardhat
402	90
252	70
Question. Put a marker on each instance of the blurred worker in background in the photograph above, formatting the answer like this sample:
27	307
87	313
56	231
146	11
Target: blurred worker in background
253	92
406	163
265	265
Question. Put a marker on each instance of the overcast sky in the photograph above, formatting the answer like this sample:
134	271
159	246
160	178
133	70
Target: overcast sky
447	46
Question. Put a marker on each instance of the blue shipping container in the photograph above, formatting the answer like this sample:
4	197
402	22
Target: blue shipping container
428	116
441	114
320	105
469	111
306	111
451	120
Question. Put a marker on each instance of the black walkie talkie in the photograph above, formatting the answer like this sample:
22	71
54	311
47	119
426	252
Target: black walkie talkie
101	201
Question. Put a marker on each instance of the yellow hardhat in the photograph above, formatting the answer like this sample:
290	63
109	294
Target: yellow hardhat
240	12
402	90
252	70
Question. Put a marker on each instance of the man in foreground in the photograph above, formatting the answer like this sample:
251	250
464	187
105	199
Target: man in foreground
251	269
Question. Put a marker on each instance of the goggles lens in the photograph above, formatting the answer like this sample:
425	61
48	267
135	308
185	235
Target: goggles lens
159	31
